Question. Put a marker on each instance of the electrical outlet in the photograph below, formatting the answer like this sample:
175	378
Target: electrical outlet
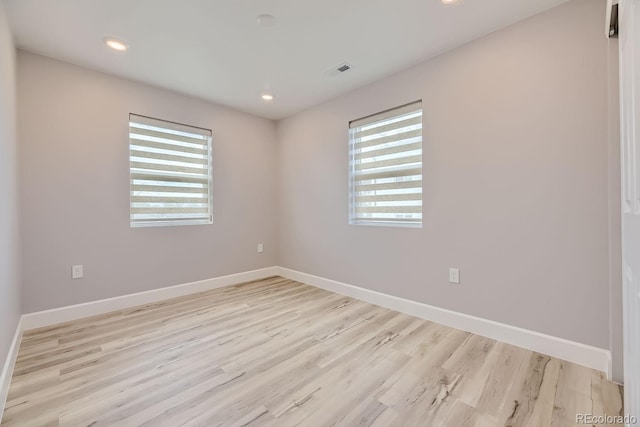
260	248
77	272
454	275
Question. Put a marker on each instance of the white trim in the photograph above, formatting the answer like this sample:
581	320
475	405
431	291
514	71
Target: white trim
7	370
581	354
73	312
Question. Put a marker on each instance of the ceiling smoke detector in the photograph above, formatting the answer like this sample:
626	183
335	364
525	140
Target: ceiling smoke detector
266	20
342	68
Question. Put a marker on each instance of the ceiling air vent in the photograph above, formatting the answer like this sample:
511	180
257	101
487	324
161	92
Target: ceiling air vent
342	68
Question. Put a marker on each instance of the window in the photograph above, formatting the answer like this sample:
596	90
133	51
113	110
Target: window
386	168
170	167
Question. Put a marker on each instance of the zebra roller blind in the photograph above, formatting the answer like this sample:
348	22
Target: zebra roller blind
170	166
386	167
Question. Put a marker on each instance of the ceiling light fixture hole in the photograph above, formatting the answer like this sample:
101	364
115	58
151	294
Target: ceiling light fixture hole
115	44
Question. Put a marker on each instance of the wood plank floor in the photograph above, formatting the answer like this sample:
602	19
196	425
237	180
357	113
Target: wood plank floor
279	353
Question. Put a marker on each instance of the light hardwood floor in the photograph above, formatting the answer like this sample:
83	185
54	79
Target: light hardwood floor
279	353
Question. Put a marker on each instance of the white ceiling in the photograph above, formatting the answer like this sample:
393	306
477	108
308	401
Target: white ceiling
215	49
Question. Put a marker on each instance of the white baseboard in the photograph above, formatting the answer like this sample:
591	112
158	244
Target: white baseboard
7	369
73	312
582	354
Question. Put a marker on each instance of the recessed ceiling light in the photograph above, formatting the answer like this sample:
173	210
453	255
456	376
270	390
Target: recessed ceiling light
267	96
266	20
115	44
449	1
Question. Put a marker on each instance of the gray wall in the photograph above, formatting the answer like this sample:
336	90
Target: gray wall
521	185
73	127
9	227
615	216
516	194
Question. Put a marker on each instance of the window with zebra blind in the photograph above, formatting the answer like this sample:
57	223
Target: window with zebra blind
385	168
170	167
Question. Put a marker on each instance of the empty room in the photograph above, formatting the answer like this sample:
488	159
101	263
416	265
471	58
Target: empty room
319	213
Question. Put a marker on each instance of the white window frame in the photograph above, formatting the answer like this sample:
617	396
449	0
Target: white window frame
170	176
356	158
